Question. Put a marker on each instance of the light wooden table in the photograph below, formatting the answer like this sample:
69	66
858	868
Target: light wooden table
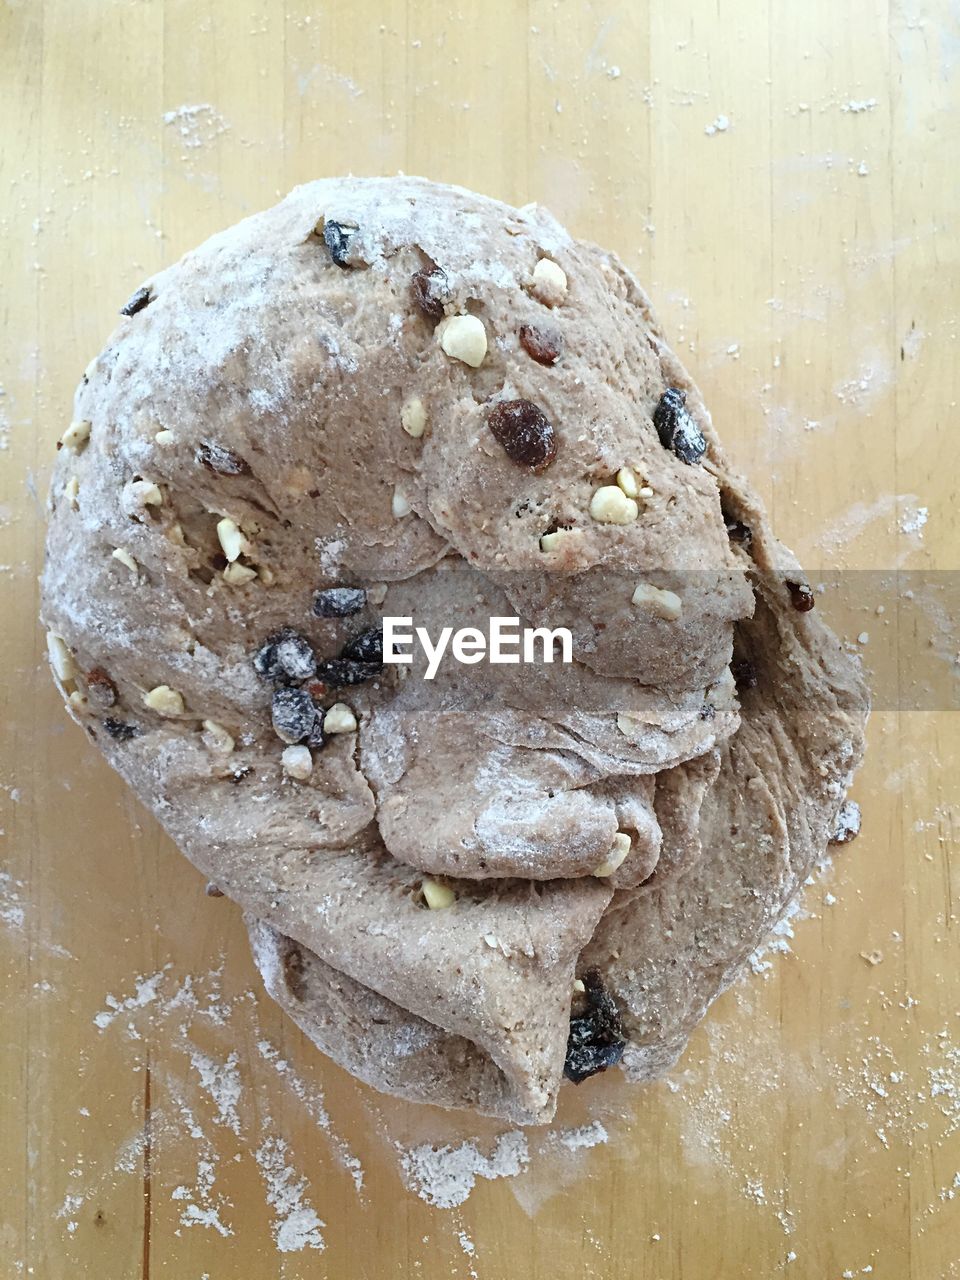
159	1118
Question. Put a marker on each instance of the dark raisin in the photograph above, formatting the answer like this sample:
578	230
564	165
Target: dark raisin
739	532
221	461
526	436
339	602
366	647
801	597
744	673
708	711
236	776
136	302
285	656
100	688
341	671
430	292
294	714
337	237
596	1039
676	429
213	890
543	345
119	731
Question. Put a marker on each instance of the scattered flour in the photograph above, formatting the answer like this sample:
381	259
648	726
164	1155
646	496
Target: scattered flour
445	1176
197	125
720	125
296	1225
913	520
145	992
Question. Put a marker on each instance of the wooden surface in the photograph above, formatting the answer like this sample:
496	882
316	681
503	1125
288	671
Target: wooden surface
805	261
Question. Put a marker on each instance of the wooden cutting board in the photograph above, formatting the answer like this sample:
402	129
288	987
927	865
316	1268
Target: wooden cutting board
784	180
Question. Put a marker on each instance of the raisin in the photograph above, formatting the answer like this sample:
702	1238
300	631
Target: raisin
596	1039
120	731
543	345
430	292
676	429
366	647
221	461
744	673
136	302
739	532
528	439
801	597
100	688
337	238
294	714
285	656
708	711
341	671
339	602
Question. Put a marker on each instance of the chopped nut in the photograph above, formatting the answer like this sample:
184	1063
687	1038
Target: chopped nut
61	659
615	858
610	505
165	437
127	560
464	338
76	435
216	737
413	417
400	506
665	604
436	895
164	700
78	702
297	762
377	592
555	541
491	940
339	719
266	575
232	541
627	481
142	493
578	986
549	282
237	575
71	491
213	890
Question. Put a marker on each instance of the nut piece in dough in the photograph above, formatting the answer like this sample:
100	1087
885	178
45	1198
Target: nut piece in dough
627	481
216	737
127	560
549	284
142	493
413	417
76	435
339	719
61	659
297	762
164	700
437	896
464	338
665	604
237	575
616	857
610	505
231	540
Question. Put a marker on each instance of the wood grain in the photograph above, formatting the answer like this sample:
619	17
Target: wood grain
805	261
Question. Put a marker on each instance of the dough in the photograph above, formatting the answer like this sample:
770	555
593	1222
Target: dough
390	397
